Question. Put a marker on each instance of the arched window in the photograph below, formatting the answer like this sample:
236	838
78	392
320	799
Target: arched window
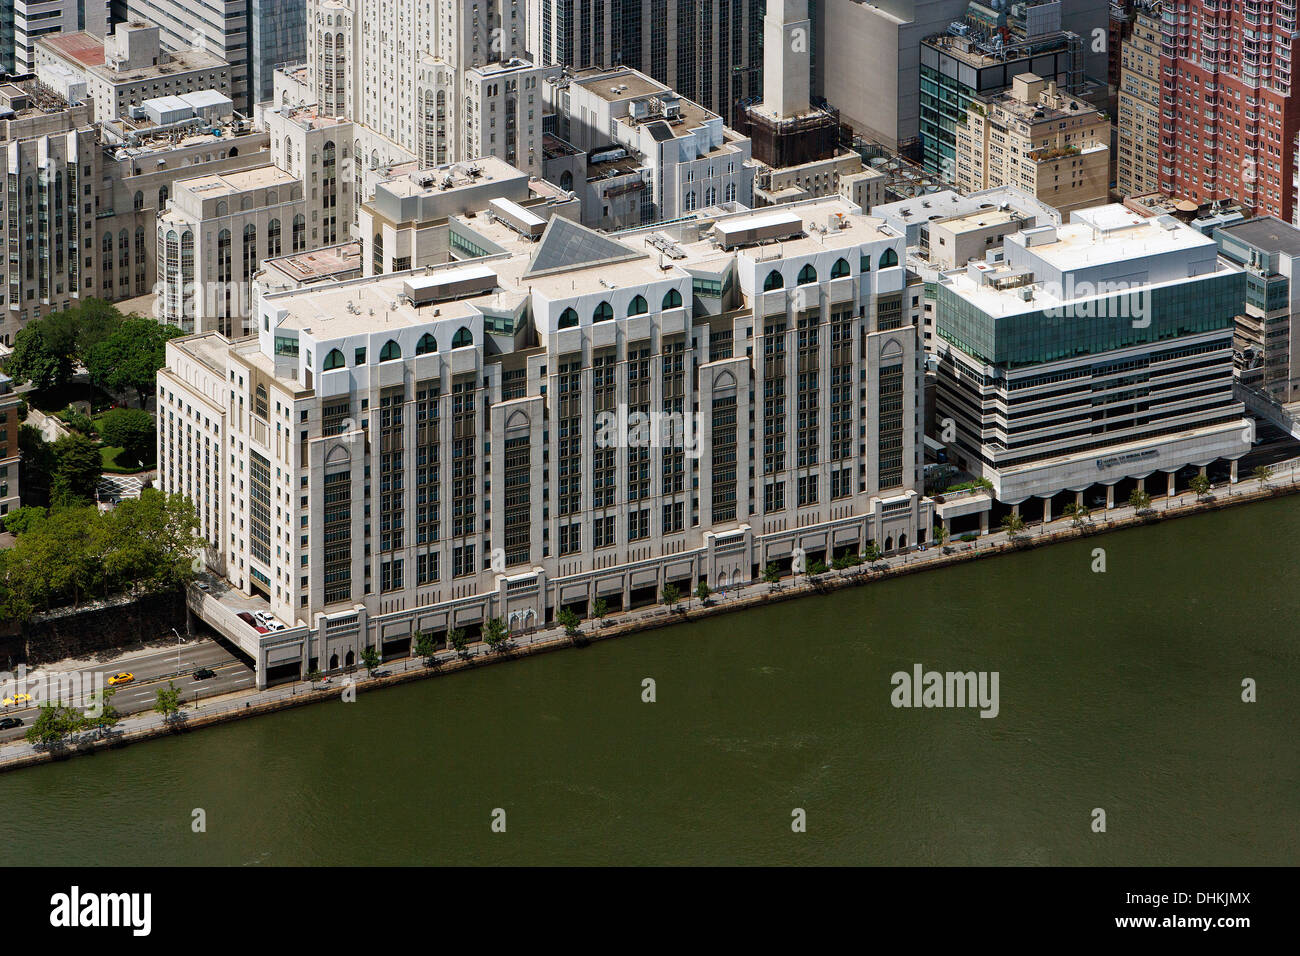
462	338
390	351
690	200
840	269
333	360
730	192
234	151
568	319
139	200
299	233
566	180
807	274
604	312
672	299
711	196
273	237
773	281
426	344
223	208
162	198
638	306
378	250
888	258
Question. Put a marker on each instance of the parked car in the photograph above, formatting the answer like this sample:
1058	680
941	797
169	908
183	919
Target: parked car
204	673
9	723
252	622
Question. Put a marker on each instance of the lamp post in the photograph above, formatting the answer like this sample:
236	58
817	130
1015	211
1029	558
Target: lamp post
178	651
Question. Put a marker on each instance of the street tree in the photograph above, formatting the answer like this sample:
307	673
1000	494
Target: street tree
53	724
1139	500
168	701
671	595
569	620
1077	513
1013	525
703	591
426	647
370	659
1200	485
457	641
495	634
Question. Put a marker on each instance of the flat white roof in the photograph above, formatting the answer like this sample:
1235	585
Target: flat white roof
730	226
443	277
512	208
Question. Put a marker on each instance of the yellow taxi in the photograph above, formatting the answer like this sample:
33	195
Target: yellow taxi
121	677
16	699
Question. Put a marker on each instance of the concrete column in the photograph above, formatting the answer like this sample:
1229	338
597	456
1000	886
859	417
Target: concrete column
1110	496
1233	471
947	525
1202	471
984	522
1078	499
1171	484
1015	509
1142	484
1047	510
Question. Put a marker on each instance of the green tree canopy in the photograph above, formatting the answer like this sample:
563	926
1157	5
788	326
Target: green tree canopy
77	553
77	466
132	430
130	356
35	359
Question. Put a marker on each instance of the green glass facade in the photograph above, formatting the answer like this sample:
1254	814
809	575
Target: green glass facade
1112	322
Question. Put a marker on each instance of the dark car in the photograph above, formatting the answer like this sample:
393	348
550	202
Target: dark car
203	673
9	723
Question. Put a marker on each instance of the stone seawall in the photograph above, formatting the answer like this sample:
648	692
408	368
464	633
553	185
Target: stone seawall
86	632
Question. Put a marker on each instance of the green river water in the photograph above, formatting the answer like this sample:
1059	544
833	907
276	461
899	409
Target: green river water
1118	690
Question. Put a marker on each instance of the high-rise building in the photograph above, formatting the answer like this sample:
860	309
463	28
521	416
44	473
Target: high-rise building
23	22
867	58
124	69
968	61
1054	146
709	52
253	36
1228	119
646	153
50	159
1091	358
568	419
1138	159
10	497
459	85
1267	353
